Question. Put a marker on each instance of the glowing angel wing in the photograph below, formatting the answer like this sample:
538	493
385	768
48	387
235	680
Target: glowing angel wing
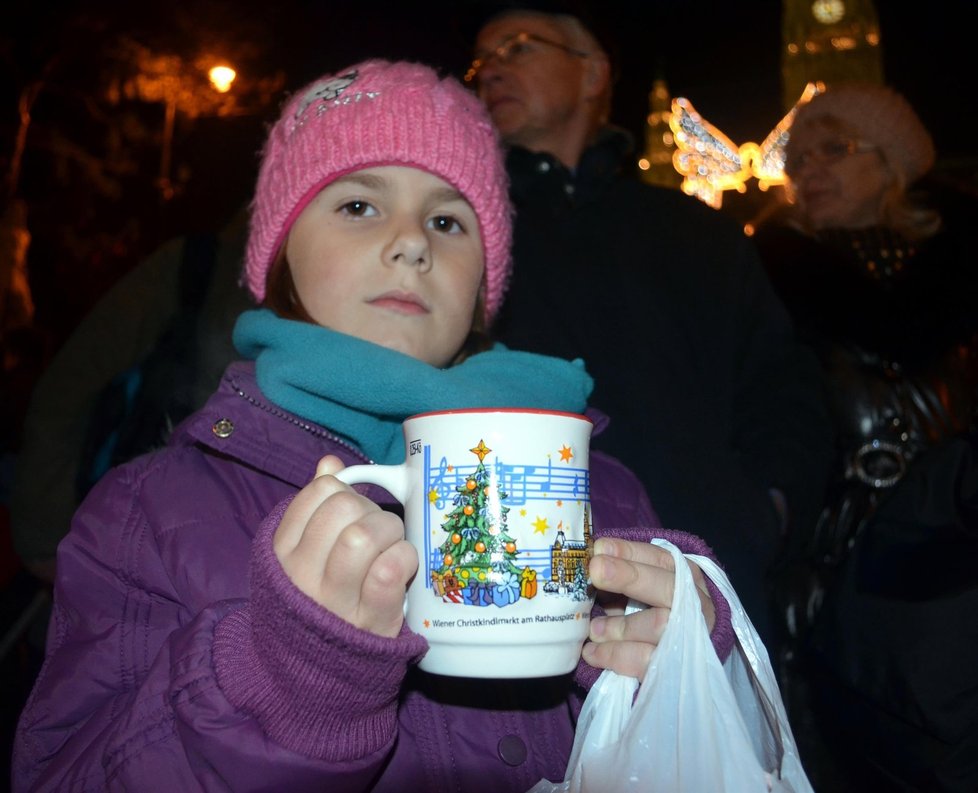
710	162
767	163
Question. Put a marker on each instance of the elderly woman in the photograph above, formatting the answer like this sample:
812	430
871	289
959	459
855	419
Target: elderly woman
887	294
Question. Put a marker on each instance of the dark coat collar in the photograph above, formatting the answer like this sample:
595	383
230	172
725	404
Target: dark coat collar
541	176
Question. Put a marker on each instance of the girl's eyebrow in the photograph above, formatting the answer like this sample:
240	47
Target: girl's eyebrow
373	182
368	180
446	194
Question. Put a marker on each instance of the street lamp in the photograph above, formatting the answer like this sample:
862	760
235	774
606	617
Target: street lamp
166	186
221	77
180	88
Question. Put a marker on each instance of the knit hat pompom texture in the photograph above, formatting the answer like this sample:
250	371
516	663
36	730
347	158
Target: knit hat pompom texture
372	114
880	116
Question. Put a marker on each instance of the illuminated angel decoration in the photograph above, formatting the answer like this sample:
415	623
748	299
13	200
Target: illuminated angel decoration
710	162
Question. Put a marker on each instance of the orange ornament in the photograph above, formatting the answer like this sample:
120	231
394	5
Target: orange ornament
480	547
471	484
511	547
485	490
448	559
456	538
468	509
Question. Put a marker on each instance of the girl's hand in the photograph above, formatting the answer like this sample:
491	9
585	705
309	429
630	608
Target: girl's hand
346	553
644	572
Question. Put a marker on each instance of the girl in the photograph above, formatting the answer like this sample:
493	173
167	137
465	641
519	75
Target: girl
221	621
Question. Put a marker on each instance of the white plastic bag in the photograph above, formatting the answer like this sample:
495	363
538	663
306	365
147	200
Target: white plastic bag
696	724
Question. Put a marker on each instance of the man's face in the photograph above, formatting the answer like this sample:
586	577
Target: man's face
537	92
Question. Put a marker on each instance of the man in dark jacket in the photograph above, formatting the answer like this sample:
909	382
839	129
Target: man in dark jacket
712	402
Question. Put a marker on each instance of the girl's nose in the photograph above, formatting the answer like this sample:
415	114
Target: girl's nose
409	246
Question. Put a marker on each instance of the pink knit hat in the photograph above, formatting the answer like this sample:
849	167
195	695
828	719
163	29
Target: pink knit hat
381	113
880	116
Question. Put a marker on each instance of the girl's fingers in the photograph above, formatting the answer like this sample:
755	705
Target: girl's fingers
346	553
645	573
306	502
625	658
356	549
300	512
381	607
639	552
329	465
647	583
646	625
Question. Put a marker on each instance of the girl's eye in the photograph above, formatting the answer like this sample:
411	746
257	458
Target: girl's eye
446	224
358	209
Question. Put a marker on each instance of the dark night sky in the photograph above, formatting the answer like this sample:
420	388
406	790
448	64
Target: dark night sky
723	56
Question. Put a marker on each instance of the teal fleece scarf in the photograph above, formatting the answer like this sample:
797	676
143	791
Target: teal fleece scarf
363	391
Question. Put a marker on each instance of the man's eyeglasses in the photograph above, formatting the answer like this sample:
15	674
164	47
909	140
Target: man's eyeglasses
517	48
826	153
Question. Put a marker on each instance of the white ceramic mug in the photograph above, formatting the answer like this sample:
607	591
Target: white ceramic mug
497	504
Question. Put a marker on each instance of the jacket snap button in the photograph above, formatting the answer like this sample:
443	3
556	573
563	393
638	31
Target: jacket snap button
512	750
223	428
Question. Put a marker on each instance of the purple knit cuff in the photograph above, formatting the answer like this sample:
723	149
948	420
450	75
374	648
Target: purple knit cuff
318	685
722	634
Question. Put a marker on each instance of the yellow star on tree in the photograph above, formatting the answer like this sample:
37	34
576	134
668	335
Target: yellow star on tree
540	525
481	450
566	454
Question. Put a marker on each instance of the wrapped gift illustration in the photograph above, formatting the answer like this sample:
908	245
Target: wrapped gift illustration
506	590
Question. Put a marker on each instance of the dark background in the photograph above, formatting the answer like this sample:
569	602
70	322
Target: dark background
92	157
88	228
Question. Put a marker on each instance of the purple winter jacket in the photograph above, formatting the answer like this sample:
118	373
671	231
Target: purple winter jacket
181	657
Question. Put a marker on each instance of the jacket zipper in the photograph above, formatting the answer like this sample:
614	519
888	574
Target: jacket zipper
316	431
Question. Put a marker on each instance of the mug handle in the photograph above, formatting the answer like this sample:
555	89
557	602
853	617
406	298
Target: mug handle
393	478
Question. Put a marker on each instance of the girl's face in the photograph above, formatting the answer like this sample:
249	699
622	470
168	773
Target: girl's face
838	180
391	255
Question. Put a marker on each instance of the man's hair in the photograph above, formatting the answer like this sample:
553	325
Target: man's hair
581	37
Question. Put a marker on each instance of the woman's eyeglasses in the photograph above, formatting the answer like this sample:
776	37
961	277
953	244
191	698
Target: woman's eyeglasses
825	153
516	49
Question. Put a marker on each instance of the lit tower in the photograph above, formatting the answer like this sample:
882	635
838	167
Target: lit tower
828	41
655	165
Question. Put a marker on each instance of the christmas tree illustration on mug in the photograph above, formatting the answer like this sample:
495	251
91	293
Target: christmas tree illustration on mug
479	556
